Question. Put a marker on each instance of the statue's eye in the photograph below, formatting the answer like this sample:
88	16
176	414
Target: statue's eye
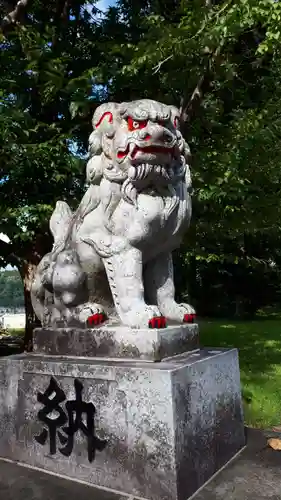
135	125
176	122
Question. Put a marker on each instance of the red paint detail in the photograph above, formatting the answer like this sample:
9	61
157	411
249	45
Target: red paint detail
163	322
157	322
147	137
189	318
135	124
107	114
96	319
122	154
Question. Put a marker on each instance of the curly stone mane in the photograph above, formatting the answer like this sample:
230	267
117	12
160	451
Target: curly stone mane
107	120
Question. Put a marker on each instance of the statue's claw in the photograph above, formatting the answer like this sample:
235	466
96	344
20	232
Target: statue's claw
143	316
189	313
91	314
189	318
157	322
96	319
177	313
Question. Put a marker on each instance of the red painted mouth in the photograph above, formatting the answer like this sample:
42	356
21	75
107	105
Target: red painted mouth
147	149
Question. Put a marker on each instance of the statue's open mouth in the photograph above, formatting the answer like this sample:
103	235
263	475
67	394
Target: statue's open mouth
146	150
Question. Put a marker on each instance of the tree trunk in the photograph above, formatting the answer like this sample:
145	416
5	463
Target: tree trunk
27	272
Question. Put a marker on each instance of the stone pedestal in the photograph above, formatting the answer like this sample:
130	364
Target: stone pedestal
156	431
117	341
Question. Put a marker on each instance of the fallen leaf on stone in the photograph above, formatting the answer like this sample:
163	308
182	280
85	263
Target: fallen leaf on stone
274	443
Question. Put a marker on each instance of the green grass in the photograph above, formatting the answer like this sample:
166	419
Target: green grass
16	331
259	344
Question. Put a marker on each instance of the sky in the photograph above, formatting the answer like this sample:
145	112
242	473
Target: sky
103	4
4	237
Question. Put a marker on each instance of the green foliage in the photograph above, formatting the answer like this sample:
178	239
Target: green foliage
219	61
39	83
46	64
11	290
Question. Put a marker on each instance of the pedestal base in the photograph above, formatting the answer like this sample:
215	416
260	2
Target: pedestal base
117	341
157	431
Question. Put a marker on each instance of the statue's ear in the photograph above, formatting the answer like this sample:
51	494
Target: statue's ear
105	116
103	124
175	117
60	221
187	153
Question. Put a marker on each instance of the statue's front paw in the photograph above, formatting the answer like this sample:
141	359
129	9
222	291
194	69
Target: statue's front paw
144	317
91	314
178	313
189	314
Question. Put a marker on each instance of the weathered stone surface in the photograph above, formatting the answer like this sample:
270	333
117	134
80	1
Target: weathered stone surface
117	341
114	253
169	426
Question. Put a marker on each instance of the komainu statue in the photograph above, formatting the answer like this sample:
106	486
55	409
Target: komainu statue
113	255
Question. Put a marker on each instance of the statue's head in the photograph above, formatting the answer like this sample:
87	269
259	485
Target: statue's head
139	141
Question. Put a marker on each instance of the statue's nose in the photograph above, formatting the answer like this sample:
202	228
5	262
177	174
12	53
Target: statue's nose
162	135
144	135
167	136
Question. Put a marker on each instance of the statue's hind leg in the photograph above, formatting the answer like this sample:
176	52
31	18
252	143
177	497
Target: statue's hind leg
38	287
67	297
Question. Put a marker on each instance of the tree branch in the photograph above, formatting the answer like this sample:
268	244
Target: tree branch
159	65
7	253
187	109
189	106
14	16
61	18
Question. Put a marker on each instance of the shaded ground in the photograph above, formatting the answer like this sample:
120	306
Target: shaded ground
21	483
11	341
253	475
259	344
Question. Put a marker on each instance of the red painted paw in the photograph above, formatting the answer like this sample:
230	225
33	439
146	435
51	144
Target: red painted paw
96	319
157	322
189	318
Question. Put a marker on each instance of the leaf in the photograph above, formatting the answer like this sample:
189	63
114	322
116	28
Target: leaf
74	108
274	443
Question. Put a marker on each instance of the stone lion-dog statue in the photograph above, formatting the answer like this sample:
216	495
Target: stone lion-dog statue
113	255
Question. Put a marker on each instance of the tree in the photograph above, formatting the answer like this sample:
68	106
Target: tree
11	290
218	61
40	85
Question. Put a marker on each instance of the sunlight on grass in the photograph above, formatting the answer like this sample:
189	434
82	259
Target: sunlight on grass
16	331
259	344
